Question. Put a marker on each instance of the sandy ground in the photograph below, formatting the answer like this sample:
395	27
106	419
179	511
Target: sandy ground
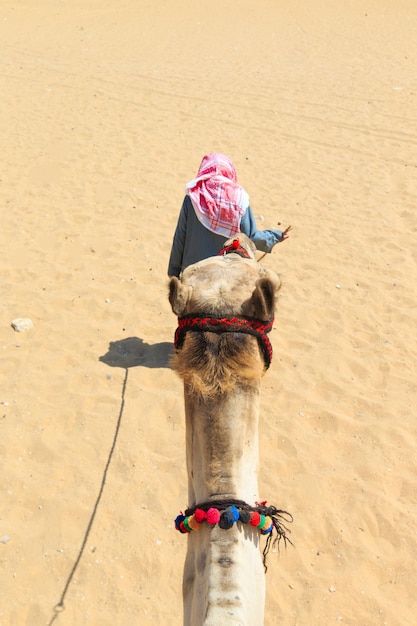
106	109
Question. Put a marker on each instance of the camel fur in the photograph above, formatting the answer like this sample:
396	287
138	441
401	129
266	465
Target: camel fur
223	581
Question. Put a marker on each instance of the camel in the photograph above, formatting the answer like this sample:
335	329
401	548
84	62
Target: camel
225	306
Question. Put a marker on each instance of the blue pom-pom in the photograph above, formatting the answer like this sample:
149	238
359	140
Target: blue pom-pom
235	513
226	520
180	518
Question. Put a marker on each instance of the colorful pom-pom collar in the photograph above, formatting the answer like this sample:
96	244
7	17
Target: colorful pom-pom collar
225	513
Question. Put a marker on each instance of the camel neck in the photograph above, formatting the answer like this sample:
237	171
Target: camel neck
223	580
222	446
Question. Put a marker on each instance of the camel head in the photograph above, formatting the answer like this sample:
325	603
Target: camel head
223	287
226	285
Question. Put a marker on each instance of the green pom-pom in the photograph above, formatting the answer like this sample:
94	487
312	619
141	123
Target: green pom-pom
262	521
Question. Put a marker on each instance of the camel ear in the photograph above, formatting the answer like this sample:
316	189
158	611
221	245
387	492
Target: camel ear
179	294
264	298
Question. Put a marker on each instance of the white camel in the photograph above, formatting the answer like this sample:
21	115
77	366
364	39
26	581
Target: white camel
225	306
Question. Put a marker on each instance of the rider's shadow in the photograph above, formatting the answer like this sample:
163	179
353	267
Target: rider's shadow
133	351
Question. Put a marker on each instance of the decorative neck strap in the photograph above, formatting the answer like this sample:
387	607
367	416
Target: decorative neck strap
227	512
236	248
220	325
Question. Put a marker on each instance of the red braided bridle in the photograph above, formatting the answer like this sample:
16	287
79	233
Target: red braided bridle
236	248
220	325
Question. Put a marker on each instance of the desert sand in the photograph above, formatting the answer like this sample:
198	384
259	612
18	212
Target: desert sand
106	110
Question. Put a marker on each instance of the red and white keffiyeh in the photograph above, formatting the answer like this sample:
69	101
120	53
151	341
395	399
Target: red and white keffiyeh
219	202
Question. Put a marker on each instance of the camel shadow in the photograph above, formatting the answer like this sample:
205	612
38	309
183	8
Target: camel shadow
134	352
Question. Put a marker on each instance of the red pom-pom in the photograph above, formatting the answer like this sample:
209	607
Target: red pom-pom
235	244
200	515
255	518
213	516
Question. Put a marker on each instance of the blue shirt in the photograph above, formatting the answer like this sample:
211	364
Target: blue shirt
194	242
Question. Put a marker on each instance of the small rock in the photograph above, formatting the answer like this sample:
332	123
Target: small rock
5	539
20	324
332	588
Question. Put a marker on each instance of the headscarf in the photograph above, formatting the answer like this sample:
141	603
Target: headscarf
219	202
